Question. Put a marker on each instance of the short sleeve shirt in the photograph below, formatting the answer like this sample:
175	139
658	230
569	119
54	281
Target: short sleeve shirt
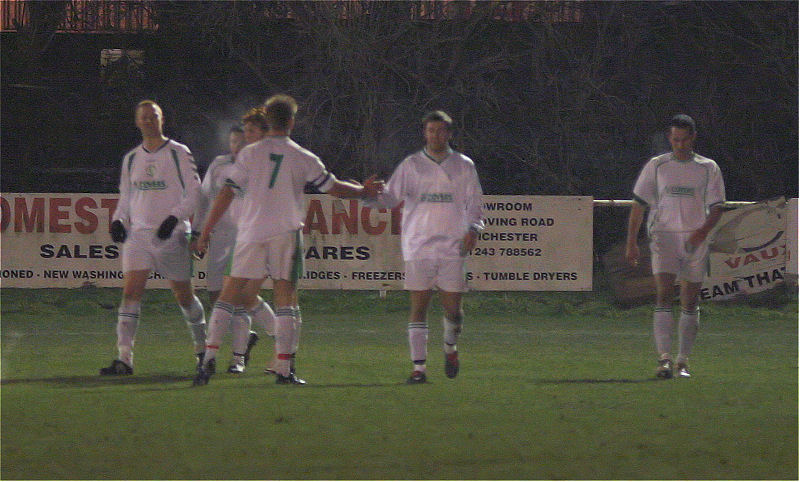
272	174
679	193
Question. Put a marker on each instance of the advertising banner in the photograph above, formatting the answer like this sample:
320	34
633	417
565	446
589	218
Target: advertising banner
791	240
532	243
747	251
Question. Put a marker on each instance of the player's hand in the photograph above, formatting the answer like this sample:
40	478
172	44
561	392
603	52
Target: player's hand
193	248
632	254
201	245
118	233
695	240
373	187
165	230
468	242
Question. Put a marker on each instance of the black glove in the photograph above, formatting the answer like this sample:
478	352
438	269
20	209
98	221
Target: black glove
165	230
118	233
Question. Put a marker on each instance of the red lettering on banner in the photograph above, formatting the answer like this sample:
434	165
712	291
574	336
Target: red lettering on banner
5	210
91	223
317	221
733	262
33	220
766	254
367	226
56	215
315	218
751	258
111	206
350	219
397	218
30	214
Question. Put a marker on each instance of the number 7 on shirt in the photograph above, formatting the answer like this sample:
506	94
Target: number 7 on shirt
277	159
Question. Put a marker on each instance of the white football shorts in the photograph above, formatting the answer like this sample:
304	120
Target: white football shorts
445	274
143	250
218	258
669	254
279	257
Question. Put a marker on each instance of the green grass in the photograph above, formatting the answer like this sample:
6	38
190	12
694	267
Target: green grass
552	386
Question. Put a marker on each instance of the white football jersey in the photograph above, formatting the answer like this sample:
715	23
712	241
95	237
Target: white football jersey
680	194
272	174
155	185
442	201
213	181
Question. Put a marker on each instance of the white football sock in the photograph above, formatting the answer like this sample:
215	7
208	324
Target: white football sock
127	322
240	331
663	324
298	324
284	337
418	344
221	317
195	318
451	331
263	316
688	324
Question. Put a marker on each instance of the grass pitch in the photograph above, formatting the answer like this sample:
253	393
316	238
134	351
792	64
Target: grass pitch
552	386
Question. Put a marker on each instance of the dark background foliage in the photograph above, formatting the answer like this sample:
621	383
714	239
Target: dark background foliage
570	98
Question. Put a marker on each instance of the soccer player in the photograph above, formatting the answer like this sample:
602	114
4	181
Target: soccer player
225	232
272	174
685	194
159	187
224	237
442	217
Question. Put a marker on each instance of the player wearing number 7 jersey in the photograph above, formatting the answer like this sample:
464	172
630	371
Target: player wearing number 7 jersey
272	174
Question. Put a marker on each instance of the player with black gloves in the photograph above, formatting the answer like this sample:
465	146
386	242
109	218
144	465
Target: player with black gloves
159	188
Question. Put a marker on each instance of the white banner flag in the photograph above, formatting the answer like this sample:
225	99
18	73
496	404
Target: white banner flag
748	251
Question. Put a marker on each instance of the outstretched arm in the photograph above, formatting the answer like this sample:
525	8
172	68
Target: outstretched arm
371	188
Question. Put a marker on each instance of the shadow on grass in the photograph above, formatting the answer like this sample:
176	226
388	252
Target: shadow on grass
184	381
354	385
97	380
594	381
270	383
85	381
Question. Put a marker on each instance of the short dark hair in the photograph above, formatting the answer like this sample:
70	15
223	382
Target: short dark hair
237	129
438	116
683	121
280	109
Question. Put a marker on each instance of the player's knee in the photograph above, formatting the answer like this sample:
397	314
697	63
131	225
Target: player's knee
418	316
665	298
131	298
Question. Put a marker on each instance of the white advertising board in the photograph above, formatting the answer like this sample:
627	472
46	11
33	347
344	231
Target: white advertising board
532	243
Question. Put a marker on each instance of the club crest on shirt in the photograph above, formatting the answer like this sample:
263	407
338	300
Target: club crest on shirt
436	197
150	171
679	191
150	185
